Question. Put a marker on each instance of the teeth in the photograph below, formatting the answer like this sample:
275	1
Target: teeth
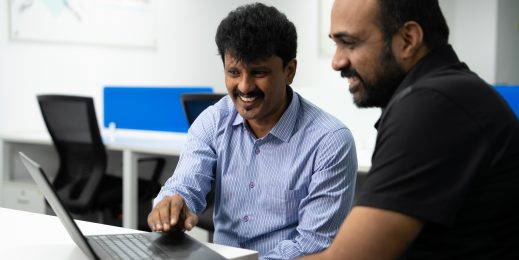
247	99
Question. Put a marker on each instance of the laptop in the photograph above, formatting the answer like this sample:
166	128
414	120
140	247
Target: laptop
149	245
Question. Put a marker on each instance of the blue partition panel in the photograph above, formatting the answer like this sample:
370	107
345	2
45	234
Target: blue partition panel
511	95
147	108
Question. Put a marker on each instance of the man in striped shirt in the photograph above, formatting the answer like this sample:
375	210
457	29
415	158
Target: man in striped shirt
283	169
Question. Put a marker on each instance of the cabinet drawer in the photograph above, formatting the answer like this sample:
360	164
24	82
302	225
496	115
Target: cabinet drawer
22	196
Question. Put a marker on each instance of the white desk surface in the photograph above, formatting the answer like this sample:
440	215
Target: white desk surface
137	141
26	235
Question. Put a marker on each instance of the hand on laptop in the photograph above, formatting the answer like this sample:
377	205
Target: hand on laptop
171	214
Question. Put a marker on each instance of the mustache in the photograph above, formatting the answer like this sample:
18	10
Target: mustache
254	93
349	72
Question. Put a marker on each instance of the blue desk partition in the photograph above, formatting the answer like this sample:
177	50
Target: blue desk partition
511	95
147	108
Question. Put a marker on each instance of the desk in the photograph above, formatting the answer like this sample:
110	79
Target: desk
133	145
27	235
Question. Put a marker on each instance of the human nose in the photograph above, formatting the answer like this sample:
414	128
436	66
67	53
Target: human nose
340	59
246	83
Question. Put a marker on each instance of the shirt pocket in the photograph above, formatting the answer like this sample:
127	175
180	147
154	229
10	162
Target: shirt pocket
285	204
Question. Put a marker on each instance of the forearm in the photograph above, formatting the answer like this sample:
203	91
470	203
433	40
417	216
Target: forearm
370	233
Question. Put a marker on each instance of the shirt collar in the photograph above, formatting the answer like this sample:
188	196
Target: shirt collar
285	126
434	60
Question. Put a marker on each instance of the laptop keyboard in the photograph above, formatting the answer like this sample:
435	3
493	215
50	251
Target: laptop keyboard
129	246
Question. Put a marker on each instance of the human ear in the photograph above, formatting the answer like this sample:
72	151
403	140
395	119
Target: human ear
290	71
411	40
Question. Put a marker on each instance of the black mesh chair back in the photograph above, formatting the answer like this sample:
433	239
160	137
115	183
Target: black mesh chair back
72	125
82	181
193	105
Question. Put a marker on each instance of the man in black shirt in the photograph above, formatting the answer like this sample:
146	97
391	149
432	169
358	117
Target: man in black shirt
444	179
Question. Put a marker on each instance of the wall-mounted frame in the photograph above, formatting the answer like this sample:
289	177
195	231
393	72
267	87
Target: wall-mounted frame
127	23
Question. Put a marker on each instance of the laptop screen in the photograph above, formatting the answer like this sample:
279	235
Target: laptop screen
48	191
170	245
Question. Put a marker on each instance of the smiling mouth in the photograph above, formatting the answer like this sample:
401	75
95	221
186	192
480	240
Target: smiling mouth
248	98
248	102
353	83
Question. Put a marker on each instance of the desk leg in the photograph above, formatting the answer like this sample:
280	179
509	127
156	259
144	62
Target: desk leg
4	164
130	189
4	168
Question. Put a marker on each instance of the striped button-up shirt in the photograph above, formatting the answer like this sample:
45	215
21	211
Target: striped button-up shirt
285	194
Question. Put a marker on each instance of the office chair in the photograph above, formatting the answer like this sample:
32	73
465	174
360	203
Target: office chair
193	105
82	181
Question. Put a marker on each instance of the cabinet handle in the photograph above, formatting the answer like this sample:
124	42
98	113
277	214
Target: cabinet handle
22	201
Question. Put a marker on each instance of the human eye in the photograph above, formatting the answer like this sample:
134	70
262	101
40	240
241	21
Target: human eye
347	42
259	73
233	72
344	41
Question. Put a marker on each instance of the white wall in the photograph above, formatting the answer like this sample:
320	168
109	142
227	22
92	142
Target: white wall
473	33
508	43
186	55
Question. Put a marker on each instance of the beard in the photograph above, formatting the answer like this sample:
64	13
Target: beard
378	91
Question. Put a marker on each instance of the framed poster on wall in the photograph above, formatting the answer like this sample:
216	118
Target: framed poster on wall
128	23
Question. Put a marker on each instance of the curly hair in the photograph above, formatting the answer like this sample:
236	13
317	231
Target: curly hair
255	31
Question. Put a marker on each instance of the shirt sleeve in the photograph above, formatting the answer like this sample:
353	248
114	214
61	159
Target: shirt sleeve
194	174
329	199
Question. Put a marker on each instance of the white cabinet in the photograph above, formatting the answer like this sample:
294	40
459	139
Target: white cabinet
22	196
17	189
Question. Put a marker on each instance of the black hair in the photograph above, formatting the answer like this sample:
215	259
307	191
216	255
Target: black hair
394	13
254	32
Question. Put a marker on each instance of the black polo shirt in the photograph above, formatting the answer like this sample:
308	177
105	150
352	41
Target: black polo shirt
447	153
